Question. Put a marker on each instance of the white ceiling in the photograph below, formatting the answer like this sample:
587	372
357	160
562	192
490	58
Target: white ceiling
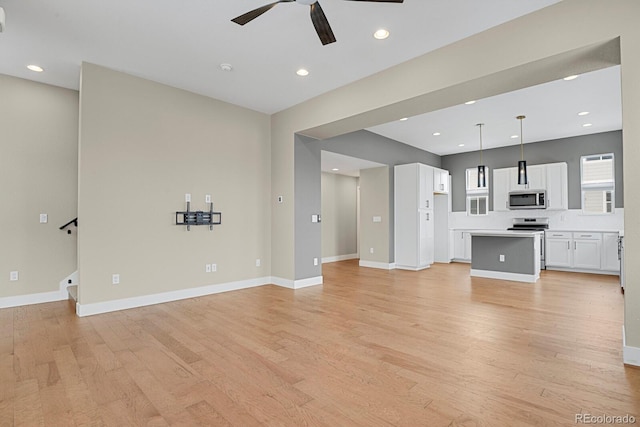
183	43
551	112
345	165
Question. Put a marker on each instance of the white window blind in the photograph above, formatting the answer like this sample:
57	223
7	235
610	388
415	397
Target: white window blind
597	170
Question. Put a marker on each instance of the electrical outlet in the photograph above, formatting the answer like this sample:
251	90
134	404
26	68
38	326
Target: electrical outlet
187	197
207	268
280	199
370	250
115	279
214	268
13	276
315	261
258	263
501	258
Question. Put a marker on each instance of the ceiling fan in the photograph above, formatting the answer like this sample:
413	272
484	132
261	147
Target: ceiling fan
318	17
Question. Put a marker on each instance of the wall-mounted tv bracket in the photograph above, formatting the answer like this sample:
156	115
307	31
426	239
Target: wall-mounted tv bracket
190	217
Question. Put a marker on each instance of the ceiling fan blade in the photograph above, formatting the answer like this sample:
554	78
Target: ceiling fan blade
381	1
322	24
250	16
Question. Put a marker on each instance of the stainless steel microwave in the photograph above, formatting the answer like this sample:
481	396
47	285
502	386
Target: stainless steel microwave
528	199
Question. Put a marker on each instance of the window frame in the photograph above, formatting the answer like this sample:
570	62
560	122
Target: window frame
603	187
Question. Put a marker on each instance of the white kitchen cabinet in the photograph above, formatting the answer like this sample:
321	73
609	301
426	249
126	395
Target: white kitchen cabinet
610	261
559	250
557	187
461	245
582	251
551	177
537	177
440	181
586	250
413	204
501	188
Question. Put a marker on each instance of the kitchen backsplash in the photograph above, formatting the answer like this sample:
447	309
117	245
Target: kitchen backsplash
572	219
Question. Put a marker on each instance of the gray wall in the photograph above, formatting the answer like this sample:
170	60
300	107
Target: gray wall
339	215
361	144
308	235
566	150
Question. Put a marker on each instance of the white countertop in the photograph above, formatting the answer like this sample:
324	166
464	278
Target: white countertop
505	233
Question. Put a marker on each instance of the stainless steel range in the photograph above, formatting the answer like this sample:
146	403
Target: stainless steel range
533	224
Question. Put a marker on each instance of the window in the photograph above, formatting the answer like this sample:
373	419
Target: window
597	180
477	197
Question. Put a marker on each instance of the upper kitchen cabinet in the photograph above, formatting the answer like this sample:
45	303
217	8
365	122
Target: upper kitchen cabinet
440	181
557	187
501	188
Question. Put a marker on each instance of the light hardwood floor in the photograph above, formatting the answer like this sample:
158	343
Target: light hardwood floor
369	348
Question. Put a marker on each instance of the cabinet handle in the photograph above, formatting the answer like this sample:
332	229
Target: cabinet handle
568	246
557	235
575	245
585	235
427	216
427	204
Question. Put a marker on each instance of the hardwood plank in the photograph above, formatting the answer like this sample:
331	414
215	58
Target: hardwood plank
368	348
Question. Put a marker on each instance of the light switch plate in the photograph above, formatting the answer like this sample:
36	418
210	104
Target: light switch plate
44	218
187	197
280	199
13	276
258	262
315	261
214	268
115	279
377	219
207	268
207	198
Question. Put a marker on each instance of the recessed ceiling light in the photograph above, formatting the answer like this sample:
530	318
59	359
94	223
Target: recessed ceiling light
35	68
575	76
335	169
381	34
436	134
460	145
470	102
404	119
514	136
302	72
586	125
226	67
583	113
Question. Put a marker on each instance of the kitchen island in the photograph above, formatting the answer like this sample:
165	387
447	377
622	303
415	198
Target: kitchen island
506	255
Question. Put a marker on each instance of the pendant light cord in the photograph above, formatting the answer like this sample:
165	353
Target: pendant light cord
521	143
480	126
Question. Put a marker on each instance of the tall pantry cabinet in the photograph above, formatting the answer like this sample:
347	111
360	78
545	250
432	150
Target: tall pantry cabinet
414	220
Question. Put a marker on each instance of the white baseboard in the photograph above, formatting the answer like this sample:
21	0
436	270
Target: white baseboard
297	284
630	355
60	295
29	299
516	277
375	264
339	258
144	300
406	267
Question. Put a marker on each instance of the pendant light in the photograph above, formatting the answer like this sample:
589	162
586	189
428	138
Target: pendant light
522	164
482	176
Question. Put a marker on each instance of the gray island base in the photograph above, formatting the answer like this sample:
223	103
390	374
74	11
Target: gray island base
506	255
